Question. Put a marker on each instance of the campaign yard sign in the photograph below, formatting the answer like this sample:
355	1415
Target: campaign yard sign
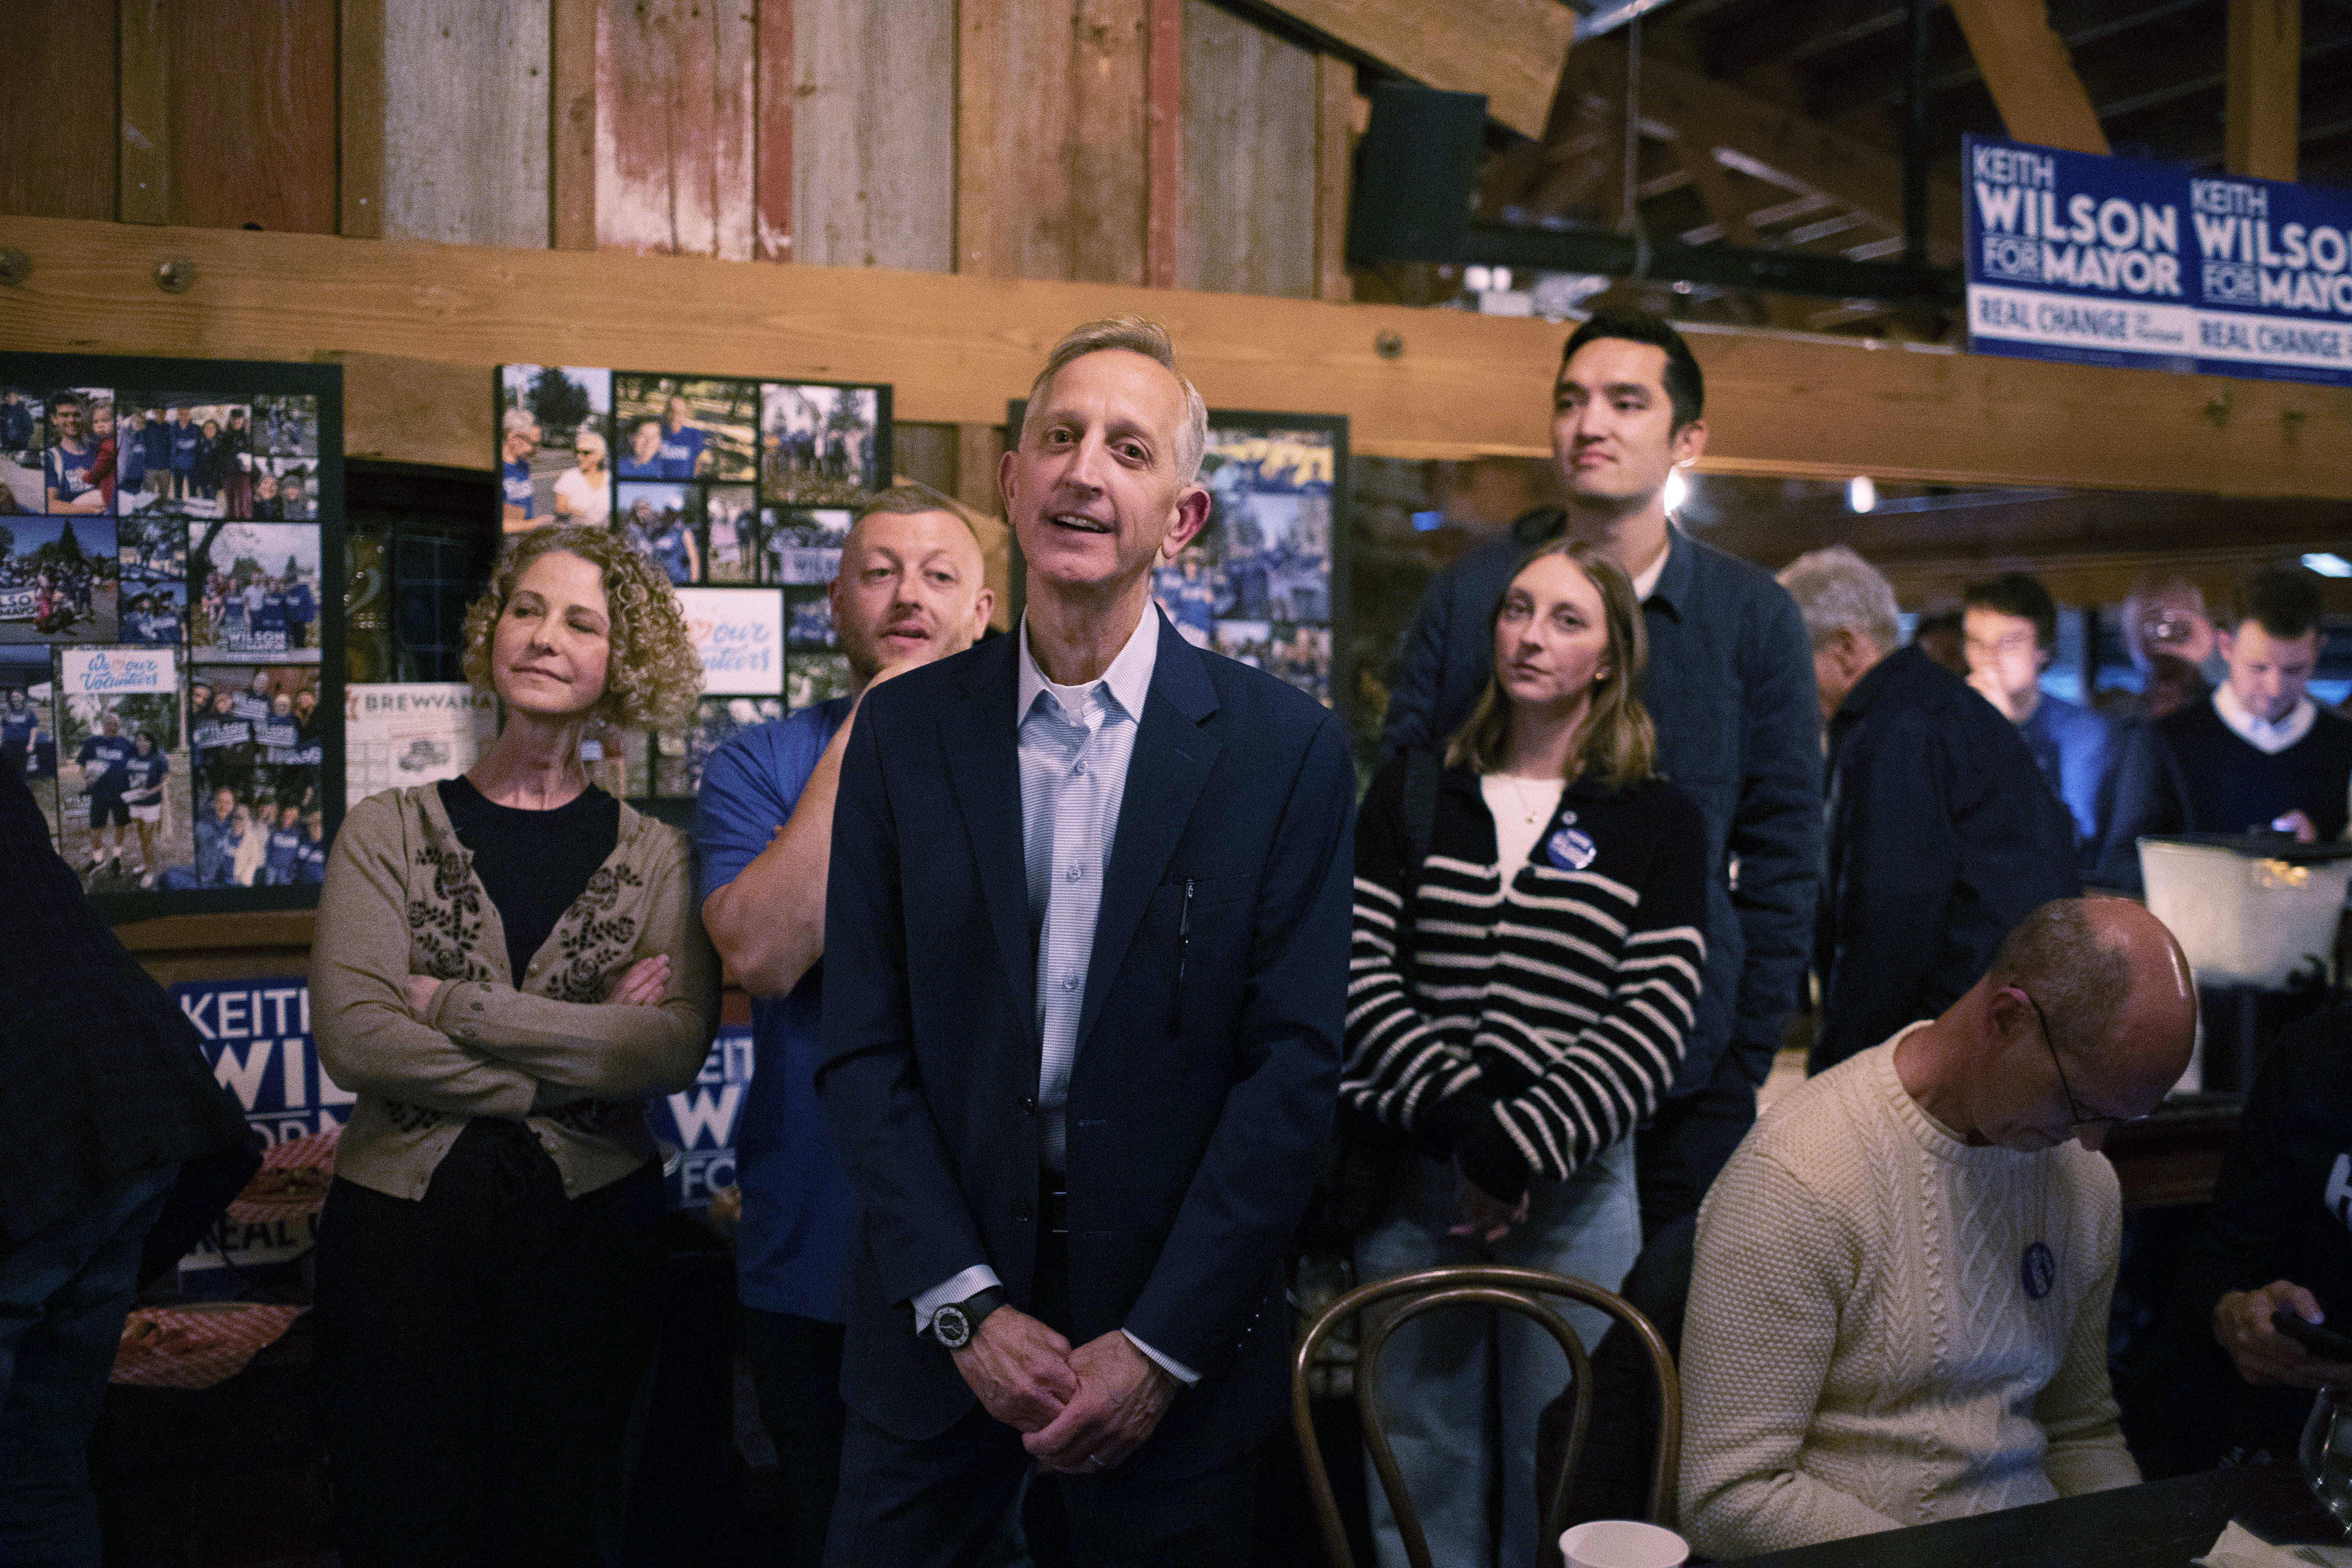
2116	261
700	1123
256	1035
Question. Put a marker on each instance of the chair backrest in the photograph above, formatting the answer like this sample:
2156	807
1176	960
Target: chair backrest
1521	1290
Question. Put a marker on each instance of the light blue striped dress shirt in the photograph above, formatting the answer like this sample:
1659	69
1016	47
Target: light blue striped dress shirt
1075	746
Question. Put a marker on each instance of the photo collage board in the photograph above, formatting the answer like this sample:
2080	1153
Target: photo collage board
740	489
171	621
1261	582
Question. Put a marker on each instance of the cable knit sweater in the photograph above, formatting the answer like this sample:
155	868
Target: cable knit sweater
1888	1327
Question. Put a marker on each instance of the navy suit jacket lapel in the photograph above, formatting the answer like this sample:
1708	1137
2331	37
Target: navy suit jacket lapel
982	739
1172	758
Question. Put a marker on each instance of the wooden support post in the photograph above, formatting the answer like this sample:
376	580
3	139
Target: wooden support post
2262	100
1163	184
1335	125
571	123
772	142
2031	75
359	121
142	192
1511	50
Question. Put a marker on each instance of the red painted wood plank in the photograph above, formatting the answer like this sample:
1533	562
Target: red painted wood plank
57	109
772	143
252	135
1164	141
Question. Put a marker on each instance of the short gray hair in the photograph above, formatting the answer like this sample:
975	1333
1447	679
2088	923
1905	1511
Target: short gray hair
517	420
1835	588
2080	984
1136	335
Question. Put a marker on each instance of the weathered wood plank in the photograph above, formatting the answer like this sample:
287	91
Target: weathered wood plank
2262	96
359	121
675	130
1511	50
2030	74
874	134
957	348
144	165
1335	120
1051	139
571	140
59	131
1250	116
771	130
1164	136
466	130
251	123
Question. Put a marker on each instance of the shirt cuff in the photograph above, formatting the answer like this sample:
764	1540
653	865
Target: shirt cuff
1170	1364
962	1288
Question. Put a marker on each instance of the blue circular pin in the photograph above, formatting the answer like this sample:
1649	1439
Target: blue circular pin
1570	848
2037	1271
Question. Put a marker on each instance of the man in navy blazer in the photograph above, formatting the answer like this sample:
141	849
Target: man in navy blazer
1086	966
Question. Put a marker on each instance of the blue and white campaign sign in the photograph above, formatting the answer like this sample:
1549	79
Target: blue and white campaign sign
2116	261
700	1123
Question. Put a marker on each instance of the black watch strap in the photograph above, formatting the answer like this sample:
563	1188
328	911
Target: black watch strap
954	1324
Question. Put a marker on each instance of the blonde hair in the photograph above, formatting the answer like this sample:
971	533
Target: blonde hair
1139	336
654	674
1619	745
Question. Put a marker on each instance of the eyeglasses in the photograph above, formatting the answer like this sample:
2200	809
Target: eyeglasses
2077	1121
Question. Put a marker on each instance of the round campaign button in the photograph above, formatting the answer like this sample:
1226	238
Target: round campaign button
2037	1270
1570	848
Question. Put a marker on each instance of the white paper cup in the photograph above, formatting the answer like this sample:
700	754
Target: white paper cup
1622	1543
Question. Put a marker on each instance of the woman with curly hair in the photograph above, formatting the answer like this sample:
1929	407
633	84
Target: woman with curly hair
507	965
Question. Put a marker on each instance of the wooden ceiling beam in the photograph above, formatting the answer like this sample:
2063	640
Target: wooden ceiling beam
2029	73
2262	98
436	317
1511	50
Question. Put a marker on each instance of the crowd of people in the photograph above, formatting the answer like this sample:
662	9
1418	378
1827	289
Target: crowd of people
1067	948
257	613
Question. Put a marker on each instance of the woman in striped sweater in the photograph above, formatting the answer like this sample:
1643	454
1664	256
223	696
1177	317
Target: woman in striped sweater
1525	965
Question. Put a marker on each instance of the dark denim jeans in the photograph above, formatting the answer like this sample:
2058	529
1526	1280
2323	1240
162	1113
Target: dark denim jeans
63	1296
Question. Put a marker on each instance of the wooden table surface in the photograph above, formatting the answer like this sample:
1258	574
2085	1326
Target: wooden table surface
2163	1524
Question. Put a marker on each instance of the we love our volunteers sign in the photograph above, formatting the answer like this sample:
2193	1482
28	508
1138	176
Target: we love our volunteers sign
2116	261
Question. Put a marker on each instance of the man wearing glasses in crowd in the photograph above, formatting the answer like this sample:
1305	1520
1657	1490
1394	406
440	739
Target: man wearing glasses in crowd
1898	1312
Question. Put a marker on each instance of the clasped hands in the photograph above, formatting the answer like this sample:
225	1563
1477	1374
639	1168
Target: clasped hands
1082	1411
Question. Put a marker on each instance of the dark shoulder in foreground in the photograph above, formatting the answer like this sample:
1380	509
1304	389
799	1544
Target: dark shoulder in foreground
1674	809
1720	570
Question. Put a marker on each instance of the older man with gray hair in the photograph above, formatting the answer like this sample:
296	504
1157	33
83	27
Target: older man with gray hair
1941	833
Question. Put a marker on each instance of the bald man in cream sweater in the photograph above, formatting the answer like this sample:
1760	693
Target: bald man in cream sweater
1898	1308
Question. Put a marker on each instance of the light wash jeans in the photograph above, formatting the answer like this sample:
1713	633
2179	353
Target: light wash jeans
63	1295
1434	1375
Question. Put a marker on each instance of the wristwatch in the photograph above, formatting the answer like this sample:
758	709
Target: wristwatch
954	1324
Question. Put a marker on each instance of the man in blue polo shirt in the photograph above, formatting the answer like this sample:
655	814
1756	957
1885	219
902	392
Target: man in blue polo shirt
910	590
187	441
2011	626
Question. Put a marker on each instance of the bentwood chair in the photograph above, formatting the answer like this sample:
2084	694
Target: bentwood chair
1482	1286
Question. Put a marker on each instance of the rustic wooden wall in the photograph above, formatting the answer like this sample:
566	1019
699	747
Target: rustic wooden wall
57	96
464	108
1250	107
874	134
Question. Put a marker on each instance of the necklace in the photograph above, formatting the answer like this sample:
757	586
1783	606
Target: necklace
1533	811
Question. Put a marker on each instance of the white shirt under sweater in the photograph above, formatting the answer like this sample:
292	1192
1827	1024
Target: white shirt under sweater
1863	1351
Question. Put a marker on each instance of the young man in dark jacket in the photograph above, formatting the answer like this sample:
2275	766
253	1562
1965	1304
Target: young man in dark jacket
1942	833
1727	687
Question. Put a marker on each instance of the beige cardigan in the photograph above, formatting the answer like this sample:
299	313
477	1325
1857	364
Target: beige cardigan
401	898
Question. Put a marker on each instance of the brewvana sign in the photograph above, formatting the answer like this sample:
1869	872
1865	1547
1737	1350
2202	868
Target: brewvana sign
2119	262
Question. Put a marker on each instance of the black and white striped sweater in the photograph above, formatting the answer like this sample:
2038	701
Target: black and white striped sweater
1523	1025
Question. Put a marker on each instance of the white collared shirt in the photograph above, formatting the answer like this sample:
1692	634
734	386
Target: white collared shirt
2268	738
1645	581
1076	743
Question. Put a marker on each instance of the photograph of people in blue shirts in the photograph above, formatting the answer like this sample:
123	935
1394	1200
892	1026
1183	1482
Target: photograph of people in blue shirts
187	442
155	444
144	774
302	609
104	777
682	445
642	458
310	854
285	845
517	439
69	464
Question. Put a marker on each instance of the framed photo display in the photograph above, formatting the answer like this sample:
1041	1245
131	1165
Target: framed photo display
1262	583
170	623
741	488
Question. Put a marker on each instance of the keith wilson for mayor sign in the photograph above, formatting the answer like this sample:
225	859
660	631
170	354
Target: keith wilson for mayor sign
2117	262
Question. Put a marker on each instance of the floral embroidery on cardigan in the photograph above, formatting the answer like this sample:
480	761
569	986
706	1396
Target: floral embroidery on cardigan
591	939
447	925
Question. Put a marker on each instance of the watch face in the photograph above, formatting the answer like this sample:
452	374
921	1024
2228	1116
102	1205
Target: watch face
949	1324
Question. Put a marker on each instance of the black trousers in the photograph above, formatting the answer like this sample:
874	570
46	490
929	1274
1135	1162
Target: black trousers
479	1354
1676	1156
940	1502
796	1369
